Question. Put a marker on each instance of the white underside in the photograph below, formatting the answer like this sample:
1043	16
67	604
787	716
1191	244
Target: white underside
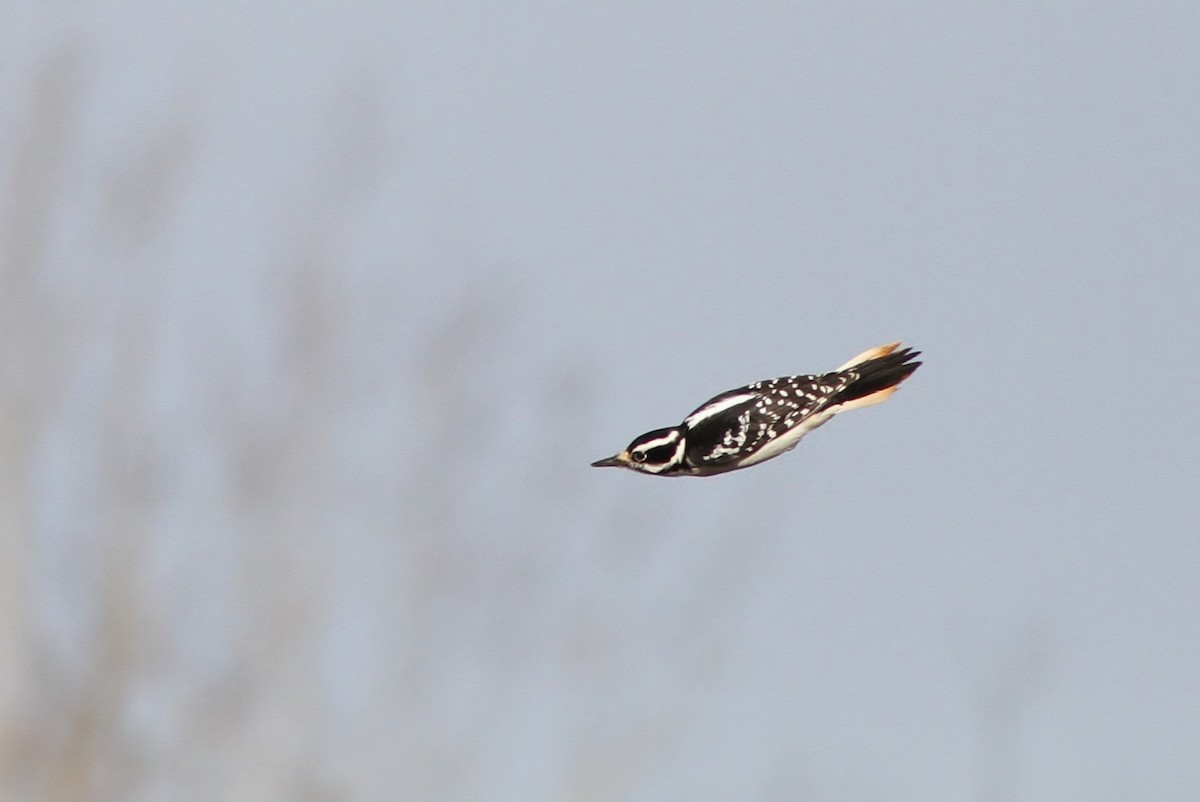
786	442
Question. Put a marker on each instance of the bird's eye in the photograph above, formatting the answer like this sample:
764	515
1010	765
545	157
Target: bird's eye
639	456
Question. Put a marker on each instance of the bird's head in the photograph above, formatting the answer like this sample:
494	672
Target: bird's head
659	452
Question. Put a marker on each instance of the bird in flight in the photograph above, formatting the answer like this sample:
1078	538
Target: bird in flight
752	424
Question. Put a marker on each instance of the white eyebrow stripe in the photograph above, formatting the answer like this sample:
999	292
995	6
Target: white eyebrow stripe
720	406
659	441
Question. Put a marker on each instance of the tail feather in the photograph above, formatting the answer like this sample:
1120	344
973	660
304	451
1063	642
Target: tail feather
869	354
880	372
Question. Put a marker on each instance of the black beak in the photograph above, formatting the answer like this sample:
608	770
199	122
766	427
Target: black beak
610	462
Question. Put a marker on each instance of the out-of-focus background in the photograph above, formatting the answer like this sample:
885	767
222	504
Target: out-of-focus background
312	319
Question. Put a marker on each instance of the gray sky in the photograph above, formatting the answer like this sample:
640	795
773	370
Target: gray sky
313	321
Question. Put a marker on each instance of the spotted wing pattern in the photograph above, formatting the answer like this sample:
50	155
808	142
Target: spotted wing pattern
735	425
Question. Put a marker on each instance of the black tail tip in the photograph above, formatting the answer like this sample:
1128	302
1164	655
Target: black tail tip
881	373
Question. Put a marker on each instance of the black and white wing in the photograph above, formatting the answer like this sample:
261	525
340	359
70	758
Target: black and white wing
759	421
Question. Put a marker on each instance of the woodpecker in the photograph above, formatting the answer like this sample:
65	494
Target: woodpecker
752	424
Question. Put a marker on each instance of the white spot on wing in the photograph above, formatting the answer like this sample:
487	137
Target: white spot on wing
786	441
